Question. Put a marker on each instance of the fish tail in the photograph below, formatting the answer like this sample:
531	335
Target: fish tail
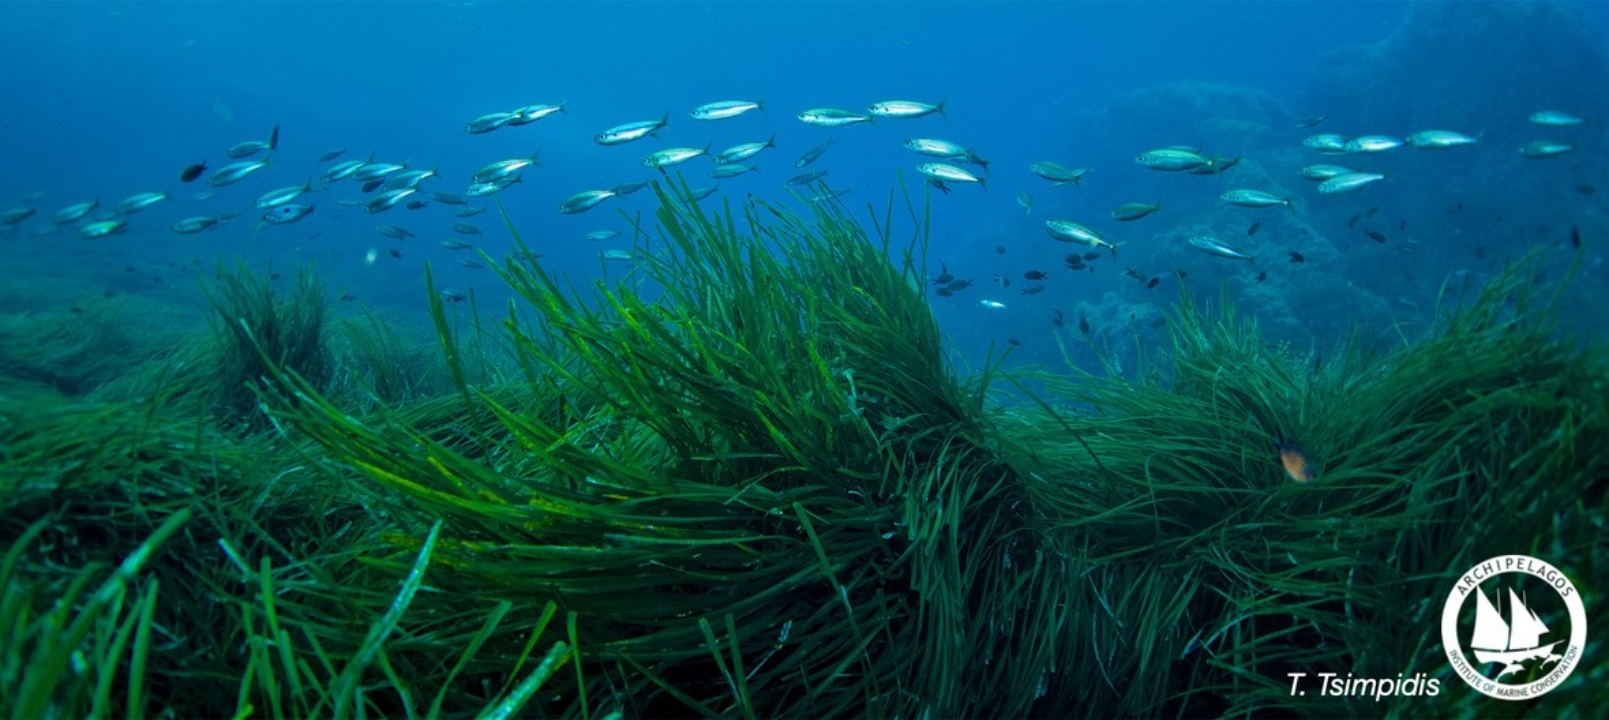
983	182
1078	182
940	108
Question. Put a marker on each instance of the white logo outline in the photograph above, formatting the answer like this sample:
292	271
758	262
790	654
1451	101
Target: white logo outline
1523	622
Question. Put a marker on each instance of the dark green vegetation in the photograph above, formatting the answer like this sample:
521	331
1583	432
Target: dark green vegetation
745	482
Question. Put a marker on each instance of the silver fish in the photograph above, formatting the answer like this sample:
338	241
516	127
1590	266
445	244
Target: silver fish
275	198
616	255
289	213
481	189
1545	149
1348	182
624	189
331	155
532	113
1057	174
104	228
408	178
1323	172
501	169
1253	199
387	200
1555	118
1068	231
904	109
807	177
813	154
739	153
465	229
195	224
1372	144
630	131
17	215
1169	160
950	173
584	201
247	149
731	170
341	171
601	235
725	109
704	192
1438	139
1329	143
489	122
235	172
141	201
75	212
673	156
831	117
1128	212
447	198
375	171
393	231
1212	246
934	147
1026	200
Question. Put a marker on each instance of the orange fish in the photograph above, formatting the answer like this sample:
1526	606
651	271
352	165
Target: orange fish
1295	461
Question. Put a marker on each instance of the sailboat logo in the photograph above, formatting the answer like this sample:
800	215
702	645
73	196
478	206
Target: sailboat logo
1512	642
1528	656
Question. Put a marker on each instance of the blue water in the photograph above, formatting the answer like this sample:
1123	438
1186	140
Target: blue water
109	99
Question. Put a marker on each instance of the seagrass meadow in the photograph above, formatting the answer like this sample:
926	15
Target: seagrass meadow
744	480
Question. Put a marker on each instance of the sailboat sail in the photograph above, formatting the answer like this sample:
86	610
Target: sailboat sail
1525	628
1491	633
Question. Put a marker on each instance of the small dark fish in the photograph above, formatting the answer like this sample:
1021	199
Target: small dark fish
1083	323
417	204
372	185
465	229
1035	275
1403	225
1092	256
1455	208
192	172
1253	229
76	310
1136	274
1297	257
1586	189
959	285
273	138
453	297
1153	283
156	279
1032	290
1013	342
348	297
999	249
1575	237
1308	122
1182	274
472	265
331	155
273	276
1354	221
129	269
1371	212
1056	318
943	292
393	252
1375	235
1262	276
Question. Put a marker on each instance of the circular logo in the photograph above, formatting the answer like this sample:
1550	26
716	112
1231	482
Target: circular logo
1511	645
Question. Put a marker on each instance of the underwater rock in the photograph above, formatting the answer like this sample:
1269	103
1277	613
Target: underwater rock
1475	65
